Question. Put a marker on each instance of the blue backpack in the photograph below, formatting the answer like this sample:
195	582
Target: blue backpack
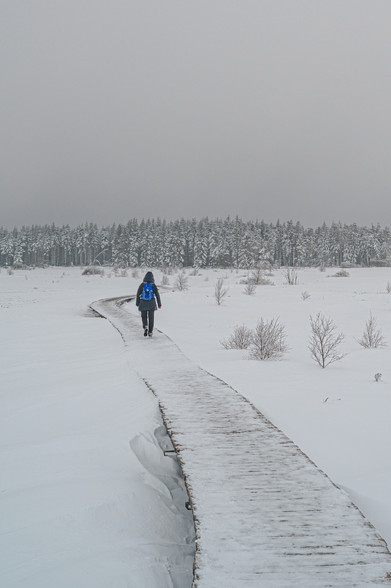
147	293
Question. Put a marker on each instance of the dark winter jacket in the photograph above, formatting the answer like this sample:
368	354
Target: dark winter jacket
148	304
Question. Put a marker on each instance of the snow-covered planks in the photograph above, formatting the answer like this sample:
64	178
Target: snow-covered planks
265	514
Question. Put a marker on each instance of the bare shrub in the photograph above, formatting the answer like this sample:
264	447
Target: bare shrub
10	271
324	341
249	288
378	377
388	288
240	338
256	276
305	295
194	272
93	271
372	337
135	273
182	281
220	291
266	282
322	268
268	340
291	276
165	280
342	273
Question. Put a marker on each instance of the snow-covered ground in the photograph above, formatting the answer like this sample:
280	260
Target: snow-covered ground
264	513
339	416
82	496
87	497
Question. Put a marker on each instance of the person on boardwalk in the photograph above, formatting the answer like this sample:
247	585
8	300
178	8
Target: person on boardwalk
147	296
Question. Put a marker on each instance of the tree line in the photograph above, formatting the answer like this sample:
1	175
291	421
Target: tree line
195	243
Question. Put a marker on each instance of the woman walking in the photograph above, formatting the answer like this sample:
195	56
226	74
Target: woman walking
147	295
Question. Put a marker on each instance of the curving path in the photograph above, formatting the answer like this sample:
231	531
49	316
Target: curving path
265	515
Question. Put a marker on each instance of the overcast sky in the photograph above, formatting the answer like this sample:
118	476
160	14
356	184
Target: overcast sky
113	109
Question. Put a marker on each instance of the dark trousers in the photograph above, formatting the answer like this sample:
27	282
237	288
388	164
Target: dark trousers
148	317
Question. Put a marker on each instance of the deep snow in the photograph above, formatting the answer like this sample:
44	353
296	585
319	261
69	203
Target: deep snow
72	488
87	496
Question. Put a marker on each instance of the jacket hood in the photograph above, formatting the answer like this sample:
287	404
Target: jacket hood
149	277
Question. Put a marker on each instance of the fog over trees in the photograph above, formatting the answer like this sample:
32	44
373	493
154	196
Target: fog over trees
191	242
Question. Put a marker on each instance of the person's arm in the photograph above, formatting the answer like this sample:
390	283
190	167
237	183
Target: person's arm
156	292
140	289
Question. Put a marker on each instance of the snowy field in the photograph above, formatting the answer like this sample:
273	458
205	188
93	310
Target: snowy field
84	490
86	496
339	416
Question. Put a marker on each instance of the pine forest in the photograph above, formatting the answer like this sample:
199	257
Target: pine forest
196	243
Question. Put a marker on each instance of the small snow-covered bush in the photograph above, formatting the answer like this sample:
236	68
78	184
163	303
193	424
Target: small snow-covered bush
220	291
322	268
135	273
266	282
372	337
388	288
182	281
194	272
249	289
342	273
10	271
268	340
324	341
291	276
378	377
93	271
165	280
240	338
305	295
256	276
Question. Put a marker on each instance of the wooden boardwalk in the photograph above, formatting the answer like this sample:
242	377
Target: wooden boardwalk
265	515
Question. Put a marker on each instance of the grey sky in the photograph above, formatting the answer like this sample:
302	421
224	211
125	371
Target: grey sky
262	108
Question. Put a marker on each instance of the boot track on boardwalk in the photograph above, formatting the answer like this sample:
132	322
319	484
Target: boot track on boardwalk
264	513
